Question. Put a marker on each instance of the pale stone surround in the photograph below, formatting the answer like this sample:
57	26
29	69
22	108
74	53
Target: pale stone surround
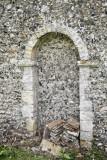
29	109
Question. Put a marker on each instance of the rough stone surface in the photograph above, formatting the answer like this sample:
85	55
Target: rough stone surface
86	144
50	147
58	90
18	23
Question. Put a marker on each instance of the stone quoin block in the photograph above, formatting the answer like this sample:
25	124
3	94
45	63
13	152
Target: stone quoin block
28	70
86	136
86	116
86	126
27	111
27	86
86	106
32	41
50	147
27	97
31	124
28	48
27	78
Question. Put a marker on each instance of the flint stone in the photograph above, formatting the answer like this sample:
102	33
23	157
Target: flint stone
9	6
50	147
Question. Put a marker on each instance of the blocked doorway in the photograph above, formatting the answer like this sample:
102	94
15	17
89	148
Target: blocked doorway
58	78
30	84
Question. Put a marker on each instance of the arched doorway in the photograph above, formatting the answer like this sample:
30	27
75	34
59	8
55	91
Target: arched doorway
58	77
30	84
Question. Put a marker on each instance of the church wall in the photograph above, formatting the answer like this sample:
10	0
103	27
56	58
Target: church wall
19	21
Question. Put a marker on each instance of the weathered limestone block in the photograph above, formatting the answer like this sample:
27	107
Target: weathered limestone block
40	32
83	82
86	136
27	110
27	97
43	30
28	48
28	70
27	86
84	74
86	126
86	116
50	147
27	78
27	55
86	106
32	41
31	124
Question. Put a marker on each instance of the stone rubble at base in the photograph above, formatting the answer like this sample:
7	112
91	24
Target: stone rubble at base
63	133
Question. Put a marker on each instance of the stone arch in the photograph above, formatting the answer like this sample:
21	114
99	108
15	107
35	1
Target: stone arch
29	84
82	49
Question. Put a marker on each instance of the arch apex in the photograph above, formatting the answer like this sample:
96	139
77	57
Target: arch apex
56	27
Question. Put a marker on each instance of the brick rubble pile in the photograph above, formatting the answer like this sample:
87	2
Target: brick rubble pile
63	133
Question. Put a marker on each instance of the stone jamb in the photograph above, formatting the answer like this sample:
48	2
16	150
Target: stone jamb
28	95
